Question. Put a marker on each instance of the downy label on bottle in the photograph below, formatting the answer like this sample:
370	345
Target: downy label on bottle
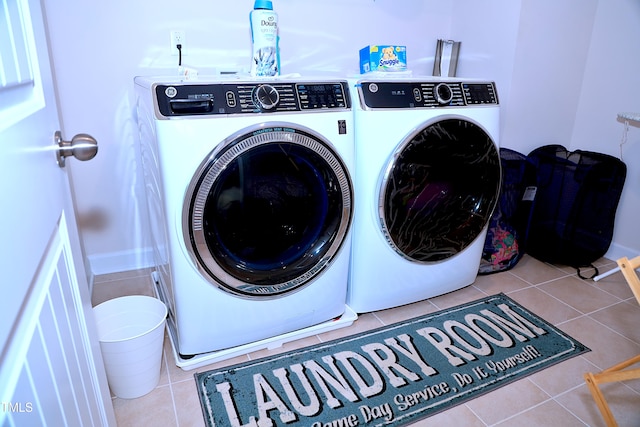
264	34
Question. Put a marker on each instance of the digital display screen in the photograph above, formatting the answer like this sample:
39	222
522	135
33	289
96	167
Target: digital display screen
321	96
479	93
318	88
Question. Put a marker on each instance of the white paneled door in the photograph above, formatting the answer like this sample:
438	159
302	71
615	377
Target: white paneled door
51	369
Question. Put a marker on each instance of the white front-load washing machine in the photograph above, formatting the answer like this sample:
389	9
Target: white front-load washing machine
251	201
427	179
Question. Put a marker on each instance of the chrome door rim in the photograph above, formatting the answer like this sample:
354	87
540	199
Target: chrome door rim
211	169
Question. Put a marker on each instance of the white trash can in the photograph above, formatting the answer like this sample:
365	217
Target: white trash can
131	334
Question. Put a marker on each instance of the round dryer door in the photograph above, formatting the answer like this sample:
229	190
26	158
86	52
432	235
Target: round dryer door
268	211
439	190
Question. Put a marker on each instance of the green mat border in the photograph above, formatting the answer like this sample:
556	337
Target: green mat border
422	411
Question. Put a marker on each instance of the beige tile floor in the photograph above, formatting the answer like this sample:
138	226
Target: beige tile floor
603	315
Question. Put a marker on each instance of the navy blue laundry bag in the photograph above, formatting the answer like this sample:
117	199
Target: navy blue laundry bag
575	205
508	227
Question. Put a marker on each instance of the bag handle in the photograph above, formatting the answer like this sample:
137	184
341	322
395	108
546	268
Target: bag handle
595	272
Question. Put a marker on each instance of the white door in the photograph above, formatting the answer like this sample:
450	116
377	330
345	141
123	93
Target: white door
51	370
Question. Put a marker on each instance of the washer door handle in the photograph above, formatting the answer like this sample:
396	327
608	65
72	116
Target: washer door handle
82	146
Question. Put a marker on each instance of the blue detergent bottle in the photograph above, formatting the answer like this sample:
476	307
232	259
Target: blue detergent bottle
265	59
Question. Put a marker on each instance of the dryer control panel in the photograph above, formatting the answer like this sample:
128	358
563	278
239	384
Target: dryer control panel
426	94
250	98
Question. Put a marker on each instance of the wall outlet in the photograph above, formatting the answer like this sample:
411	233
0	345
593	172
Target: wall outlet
177	37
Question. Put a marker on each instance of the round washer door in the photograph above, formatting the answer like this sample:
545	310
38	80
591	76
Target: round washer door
268	211
439	190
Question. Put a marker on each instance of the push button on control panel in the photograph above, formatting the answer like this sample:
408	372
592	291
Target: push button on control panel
417	94
231	99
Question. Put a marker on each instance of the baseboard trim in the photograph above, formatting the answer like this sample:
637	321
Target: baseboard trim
616	252
116	262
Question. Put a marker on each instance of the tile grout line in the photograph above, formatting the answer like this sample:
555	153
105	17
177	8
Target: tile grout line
568	409
475	414
170	383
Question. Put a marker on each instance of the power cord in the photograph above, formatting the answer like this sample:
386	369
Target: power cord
186	72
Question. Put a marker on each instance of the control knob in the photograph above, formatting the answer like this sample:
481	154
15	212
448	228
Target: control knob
443	94
265	97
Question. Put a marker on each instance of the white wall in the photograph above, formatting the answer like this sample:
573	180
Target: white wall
552	46
611	85
536	51
488	31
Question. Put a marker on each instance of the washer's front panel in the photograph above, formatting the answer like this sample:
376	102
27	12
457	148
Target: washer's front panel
262	203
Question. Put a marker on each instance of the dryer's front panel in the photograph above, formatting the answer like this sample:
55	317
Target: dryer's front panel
268	210
440	185
439	190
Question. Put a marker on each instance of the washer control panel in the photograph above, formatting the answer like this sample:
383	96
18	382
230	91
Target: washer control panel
187	99
426	94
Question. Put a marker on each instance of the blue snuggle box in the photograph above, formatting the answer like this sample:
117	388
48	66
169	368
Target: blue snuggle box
383	58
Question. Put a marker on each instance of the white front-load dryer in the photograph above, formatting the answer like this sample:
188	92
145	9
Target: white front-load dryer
251	200
427	179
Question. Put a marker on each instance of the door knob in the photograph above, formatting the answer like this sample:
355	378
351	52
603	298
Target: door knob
82	146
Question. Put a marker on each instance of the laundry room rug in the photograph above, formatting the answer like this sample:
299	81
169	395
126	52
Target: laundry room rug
393	375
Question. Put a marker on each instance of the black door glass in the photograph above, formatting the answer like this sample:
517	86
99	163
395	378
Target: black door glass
272	213
441	190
